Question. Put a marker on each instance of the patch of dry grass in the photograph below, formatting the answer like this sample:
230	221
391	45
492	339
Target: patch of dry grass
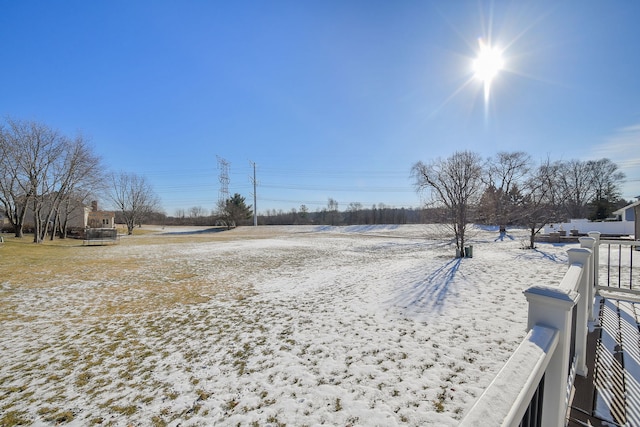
128	278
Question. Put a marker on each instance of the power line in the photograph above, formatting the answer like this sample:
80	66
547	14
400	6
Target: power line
338	188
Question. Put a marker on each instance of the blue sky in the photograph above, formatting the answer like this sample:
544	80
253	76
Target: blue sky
331	99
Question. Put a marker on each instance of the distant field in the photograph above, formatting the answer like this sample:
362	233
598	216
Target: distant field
260	326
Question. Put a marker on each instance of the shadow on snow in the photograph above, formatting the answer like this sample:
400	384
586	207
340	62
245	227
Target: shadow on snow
190	232
502	236
356	228
540	254
429	294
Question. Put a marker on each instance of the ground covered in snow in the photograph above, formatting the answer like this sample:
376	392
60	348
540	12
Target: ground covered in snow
305	325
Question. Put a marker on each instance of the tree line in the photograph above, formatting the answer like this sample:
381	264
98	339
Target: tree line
513	189
508	189
354	214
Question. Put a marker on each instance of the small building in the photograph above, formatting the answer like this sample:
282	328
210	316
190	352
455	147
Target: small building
631	213
100	219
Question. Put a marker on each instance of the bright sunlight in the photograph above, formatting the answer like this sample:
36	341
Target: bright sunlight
487	65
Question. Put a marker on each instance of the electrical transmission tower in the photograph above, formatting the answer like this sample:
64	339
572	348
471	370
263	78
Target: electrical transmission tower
223	167
255	195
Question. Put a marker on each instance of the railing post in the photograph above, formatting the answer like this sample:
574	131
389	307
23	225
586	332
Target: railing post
552	306
582	257
590	243
596	257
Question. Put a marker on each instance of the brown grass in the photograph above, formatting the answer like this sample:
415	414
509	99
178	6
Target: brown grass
125	281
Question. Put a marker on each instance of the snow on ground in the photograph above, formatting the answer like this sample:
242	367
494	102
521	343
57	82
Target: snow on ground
366	325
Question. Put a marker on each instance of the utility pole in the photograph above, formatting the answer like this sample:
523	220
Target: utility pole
255	195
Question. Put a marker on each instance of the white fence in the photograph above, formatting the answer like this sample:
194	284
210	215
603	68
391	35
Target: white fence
582	226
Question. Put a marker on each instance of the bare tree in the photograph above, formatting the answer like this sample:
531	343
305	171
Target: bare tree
40	156
506	174
606	182
576	182
40	169
196	212
542	199
181	214
354	212
87	180
77	171
455	184
33	154
333	216
587	184
14	185
71	208
134	197
24	147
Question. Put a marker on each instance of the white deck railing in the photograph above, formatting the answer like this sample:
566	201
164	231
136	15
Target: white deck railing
515	394
619	270
534	387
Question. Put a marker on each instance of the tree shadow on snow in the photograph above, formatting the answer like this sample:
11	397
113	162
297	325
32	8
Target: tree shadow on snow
502	236
191	232
540	254
429	294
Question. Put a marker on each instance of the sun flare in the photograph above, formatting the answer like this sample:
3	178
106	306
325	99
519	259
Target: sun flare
487	65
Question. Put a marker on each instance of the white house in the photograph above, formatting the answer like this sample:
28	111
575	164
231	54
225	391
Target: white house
629	212
77	215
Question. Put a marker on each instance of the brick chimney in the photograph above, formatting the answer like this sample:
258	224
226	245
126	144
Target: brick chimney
94	206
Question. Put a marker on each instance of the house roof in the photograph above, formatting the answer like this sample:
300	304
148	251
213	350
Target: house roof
631	206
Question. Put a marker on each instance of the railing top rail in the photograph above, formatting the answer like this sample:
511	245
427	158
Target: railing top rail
507	398
620	242
571	280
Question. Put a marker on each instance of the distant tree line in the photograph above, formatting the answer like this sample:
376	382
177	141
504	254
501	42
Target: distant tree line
355	214
229	213
506	190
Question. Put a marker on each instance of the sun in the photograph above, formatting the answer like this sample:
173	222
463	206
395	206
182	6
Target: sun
487	65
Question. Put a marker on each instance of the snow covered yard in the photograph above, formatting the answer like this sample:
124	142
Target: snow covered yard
294	326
